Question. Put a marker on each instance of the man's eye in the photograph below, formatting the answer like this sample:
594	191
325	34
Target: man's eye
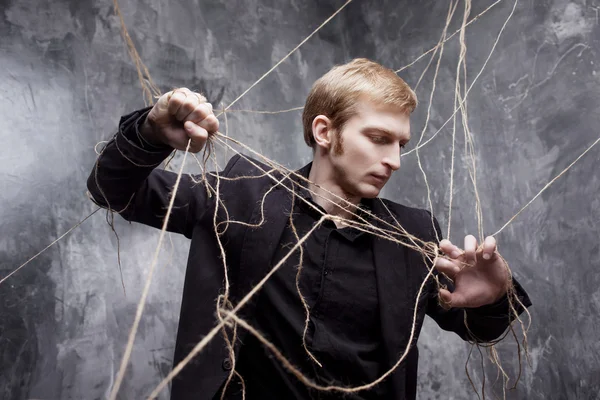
378	139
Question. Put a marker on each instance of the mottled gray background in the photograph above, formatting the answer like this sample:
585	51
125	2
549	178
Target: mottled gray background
65	78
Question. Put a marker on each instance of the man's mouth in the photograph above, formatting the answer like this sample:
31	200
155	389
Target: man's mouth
380	178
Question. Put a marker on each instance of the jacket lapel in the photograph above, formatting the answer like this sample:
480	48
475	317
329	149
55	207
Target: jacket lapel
260	243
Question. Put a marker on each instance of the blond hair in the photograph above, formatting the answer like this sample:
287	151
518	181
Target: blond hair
336	93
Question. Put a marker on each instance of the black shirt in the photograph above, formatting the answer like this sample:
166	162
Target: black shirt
339	285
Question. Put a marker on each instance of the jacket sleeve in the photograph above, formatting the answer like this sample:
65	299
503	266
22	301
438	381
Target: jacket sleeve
125	180
485	323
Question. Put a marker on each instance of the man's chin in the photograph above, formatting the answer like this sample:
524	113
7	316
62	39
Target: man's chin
370	192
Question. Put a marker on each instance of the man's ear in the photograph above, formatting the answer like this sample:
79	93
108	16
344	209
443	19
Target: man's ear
322	132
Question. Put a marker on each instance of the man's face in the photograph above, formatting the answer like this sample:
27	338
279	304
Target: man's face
369	152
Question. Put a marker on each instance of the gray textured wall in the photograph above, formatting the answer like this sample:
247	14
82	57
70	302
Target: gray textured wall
65	78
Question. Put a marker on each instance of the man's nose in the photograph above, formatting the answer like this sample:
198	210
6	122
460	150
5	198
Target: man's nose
393	160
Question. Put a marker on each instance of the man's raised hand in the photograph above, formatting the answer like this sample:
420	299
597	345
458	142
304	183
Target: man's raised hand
480	274
178	116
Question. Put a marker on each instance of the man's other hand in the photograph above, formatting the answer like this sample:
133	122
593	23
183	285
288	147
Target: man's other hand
178	116
479	273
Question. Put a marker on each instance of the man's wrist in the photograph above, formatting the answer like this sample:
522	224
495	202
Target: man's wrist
148	133
500	306
500	297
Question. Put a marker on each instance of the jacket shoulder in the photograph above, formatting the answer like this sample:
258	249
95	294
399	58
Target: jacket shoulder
417	221
241	165
247	179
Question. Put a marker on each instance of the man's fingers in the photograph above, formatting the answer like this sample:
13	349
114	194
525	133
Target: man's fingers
187	108
489	247
203	116
197	134
447	267
449	249
206	102
181	102
445	298
186	105
210	123
450	300
470	249
175	100
202	99
200	112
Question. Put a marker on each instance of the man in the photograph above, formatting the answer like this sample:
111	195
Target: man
360	289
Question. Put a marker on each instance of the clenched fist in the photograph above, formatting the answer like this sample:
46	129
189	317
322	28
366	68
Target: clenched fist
178	116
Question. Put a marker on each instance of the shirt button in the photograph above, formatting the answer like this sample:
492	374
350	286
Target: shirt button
226	364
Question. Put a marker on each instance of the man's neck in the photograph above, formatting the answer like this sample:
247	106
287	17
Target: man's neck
330	196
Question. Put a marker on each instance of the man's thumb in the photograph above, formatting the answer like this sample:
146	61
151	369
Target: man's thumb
446	299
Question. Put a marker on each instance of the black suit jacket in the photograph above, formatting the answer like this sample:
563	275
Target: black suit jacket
125	179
